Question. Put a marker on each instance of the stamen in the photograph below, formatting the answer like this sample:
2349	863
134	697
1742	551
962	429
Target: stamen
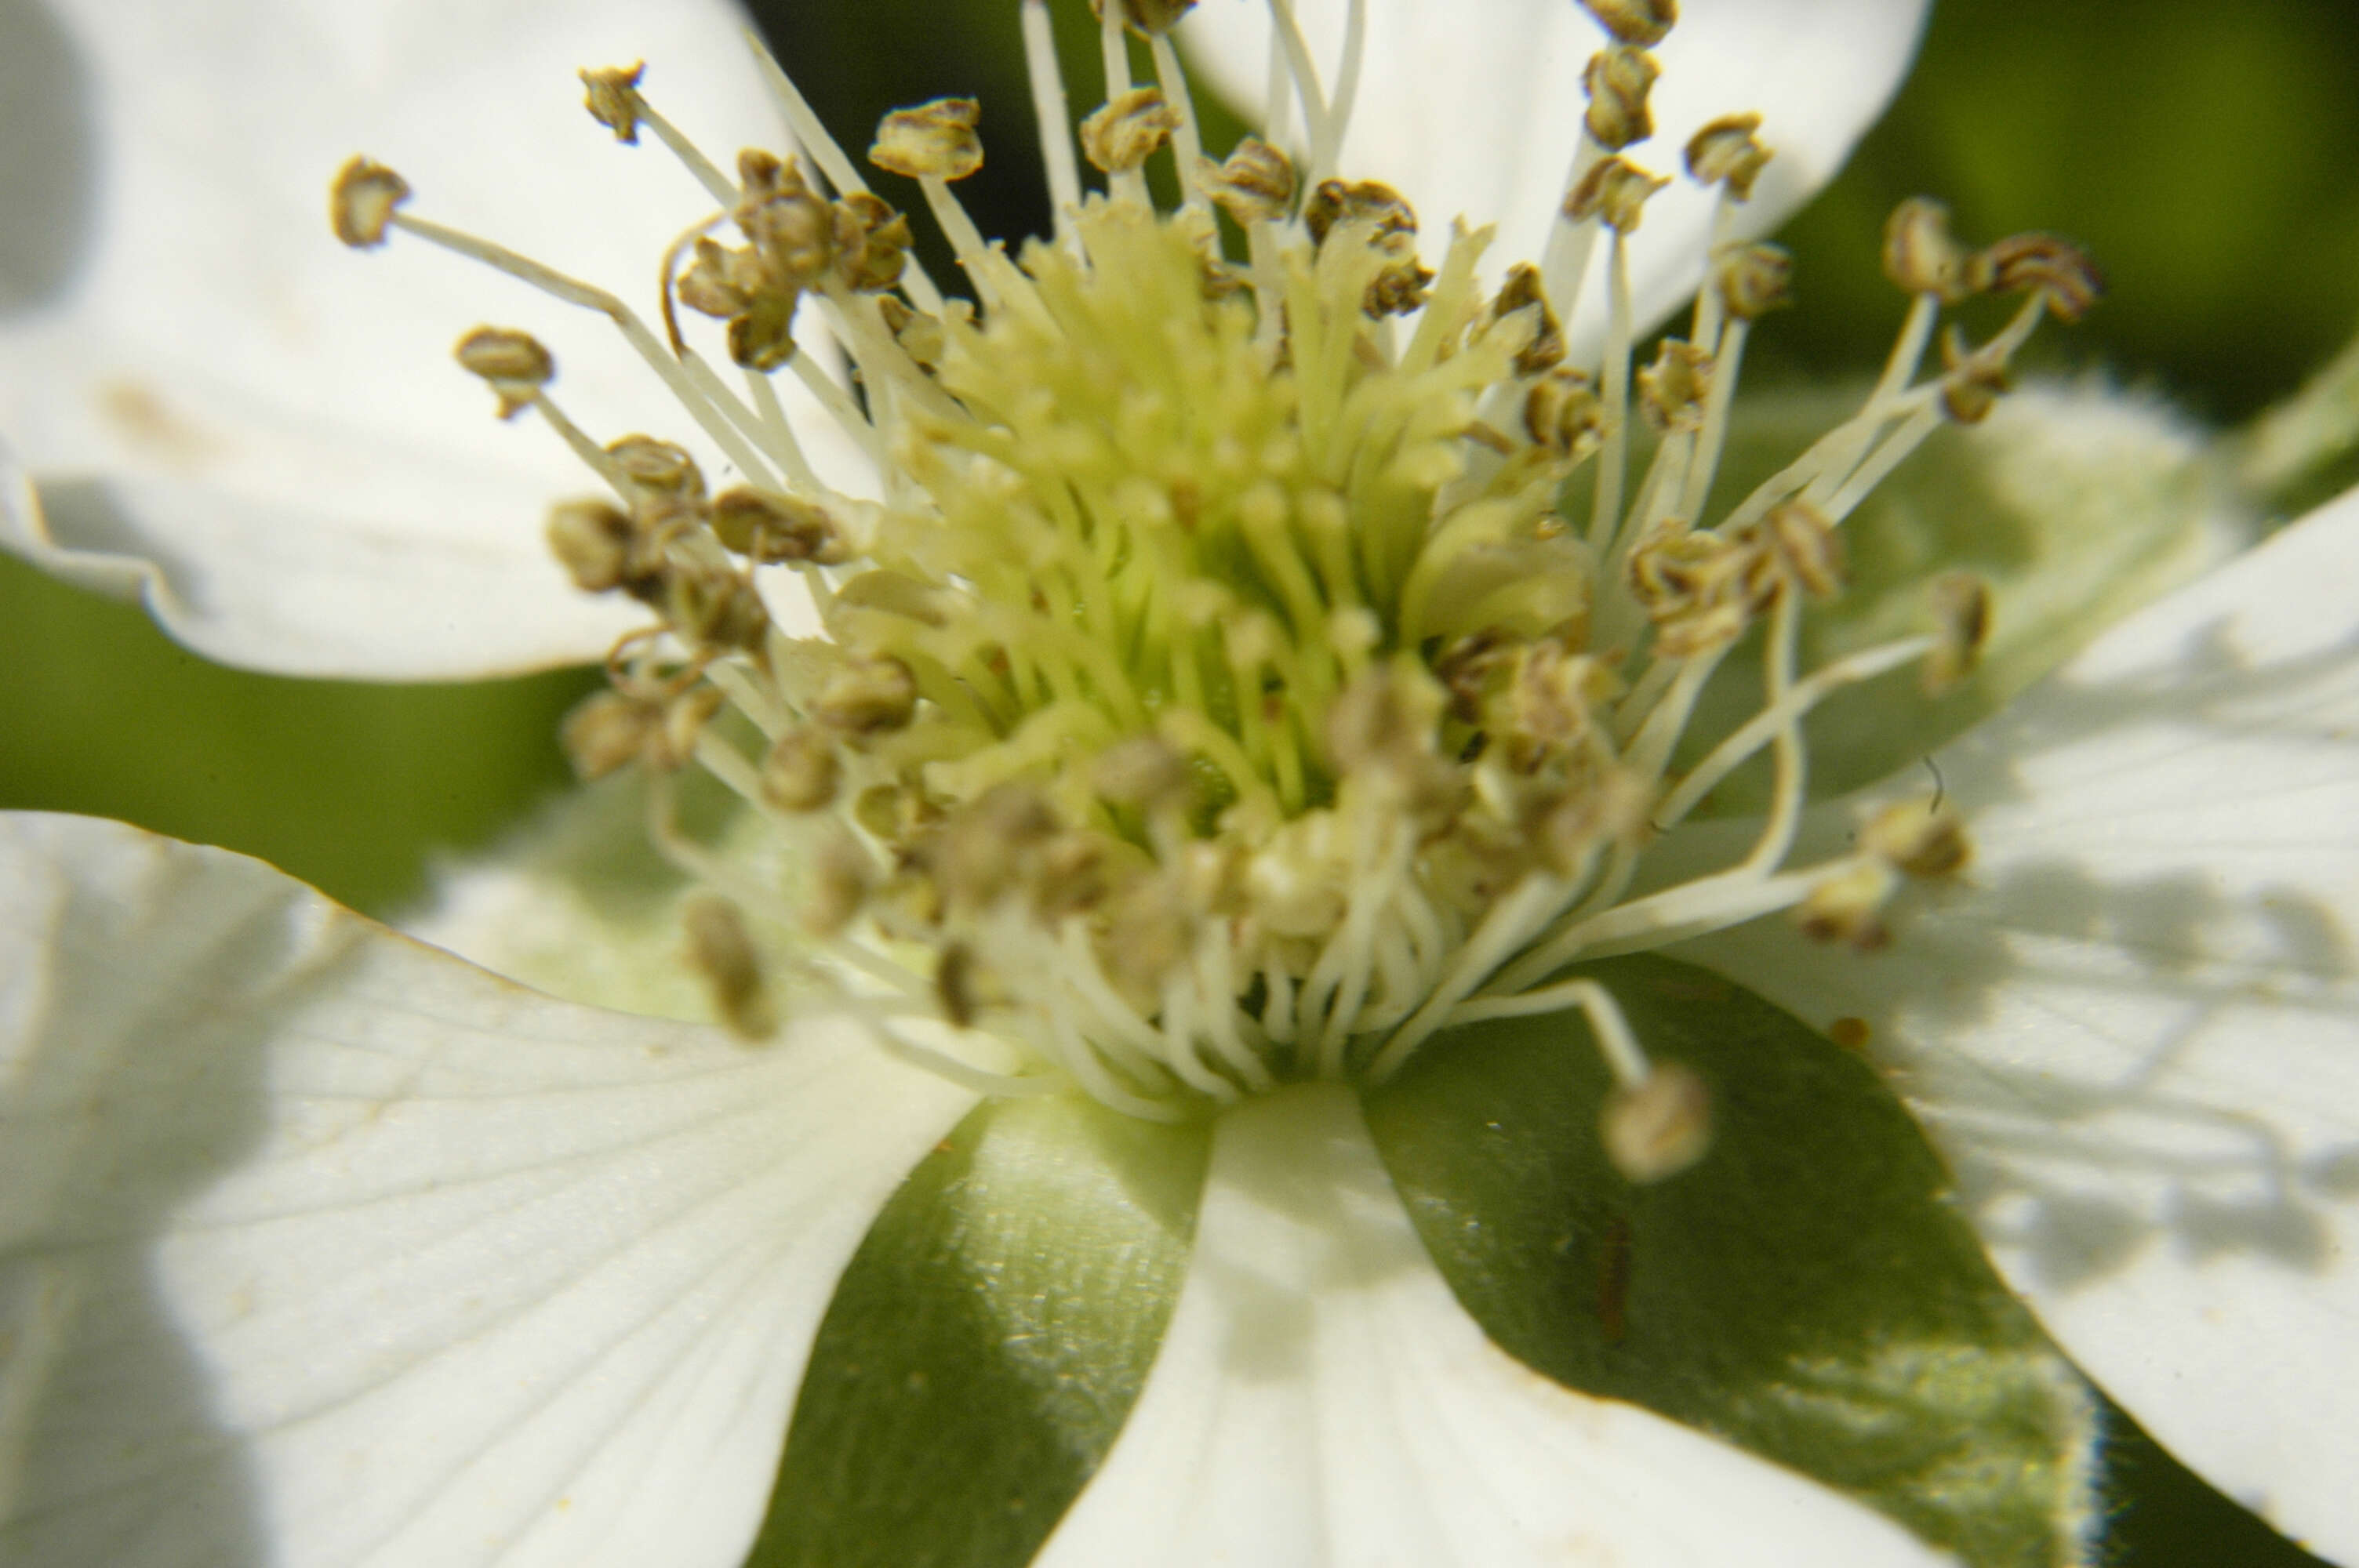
812	137
1214	694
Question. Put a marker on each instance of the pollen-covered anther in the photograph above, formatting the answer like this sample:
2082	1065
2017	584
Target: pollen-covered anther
613	99
1657	1127
1698	589
1671	391
863	697
1391	226
1754	280
1806	548
1121	136
922	337
719	282
2059	269
1255	184
361	200
1386	212
872	243
1617	79
712	608
607	731
671	745
840	876
1922	257
1150	16
1848	906
1521	291
1728	151
1960	605
656	466
513	363
793	232
594	542
1921	839
1644	23
768	528
1564	414
722	951
800	772
1614	193
930	141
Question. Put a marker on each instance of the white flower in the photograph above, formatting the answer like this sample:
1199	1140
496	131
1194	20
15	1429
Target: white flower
320	1246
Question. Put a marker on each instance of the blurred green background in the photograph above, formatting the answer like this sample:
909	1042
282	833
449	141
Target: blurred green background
2207	154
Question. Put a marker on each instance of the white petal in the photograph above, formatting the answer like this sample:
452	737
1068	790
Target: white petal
2136	1031
1321	1398
318	1247
265	427
1474	111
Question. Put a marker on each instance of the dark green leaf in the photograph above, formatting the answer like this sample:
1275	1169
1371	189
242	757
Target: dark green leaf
987	1341
1808	1291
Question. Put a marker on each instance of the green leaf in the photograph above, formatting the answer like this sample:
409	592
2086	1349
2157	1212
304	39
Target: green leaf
987	1341
1808	1291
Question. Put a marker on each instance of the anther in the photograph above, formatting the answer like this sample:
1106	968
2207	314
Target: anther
1973	378
613	99
1926	842
1255	184
1123	134
711	607
1960	605
1755	280
935	140
1657	1127
1848	907
1808	547
361	200
1614	193
921	336
1671	391
1521	291
768	528
592	540
954	984
1617	79
671	746
719	282
1364	201
1644	23
801	772
1563	413
605	732
512	364
1921	256
872	244
841	873
1728	151
2058	269
866	696
656	466
721	951
794	233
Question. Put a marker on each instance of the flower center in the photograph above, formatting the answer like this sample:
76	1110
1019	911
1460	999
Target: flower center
1219	687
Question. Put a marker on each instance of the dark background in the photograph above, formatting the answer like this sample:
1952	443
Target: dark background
2206	152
